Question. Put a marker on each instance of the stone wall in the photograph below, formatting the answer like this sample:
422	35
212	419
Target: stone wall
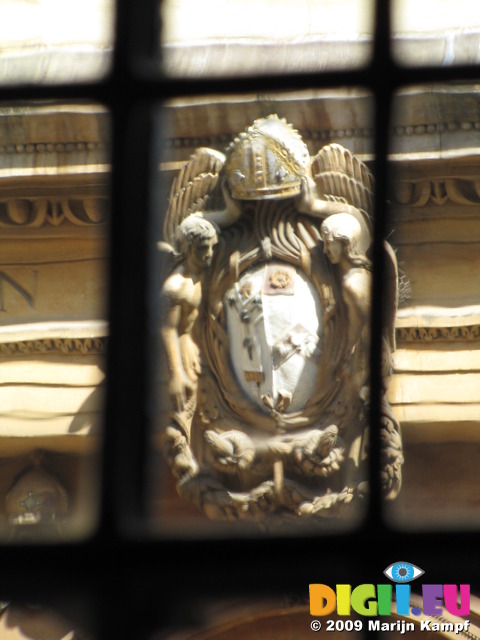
54	214
54	271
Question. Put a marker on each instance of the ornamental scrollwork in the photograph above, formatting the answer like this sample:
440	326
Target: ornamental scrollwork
439	192
265	330
67	346
39	212
439	334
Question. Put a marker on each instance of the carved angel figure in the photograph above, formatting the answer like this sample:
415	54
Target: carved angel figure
340	234
266	309
181	297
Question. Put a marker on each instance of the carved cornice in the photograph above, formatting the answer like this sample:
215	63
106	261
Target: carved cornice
435	127
49	346
322	136
52	147
437	191
338	134
38	212
438	334
92	346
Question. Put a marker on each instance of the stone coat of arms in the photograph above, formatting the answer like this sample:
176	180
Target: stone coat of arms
265	330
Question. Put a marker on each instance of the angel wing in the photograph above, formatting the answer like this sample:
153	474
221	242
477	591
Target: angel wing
191	189
391	294
340	176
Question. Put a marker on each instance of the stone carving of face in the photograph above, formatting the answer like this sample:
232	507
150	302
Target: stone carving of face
333	249
197	238
202	252
340	233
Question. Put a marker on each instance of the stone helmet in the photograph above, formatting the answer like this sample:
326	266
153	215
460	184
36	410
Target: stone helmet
268	160
36	496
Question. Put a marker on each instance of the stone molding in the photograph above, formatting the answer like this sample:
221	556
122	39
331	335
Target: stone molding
438	191
467	333
39	212
72	338
48	346
340	134
435	127
221	141
227	56
98	346
91	211
52	147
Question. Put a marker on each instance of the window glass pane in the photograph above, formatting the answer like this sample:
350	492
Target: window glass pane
53	331
436	32
262	378
54	41
435	224
244	36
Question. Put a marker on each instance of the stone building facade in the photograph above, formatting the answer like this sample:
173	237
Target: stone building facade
54	218
54	263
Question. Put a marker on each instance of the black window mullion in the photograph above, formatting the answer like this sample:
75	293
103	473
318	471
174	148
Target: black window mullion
119	573
382	69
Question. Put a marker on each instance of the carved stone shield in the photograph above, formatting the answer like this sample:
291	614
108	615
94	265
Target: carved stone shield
276	423
274	327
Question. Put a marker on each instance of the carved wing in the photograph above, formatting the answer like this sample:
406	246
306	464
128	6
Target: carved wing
391	294
340	175
191	189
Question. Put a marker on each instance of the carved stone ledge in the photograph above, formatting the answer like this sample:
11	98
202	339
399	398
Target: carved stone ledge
38	212
326	135
435	127
52	147
437	191
66	346
314	136
438	334
70	338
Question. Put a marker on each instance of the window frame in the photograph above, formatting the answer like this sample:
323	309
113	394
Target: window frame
122	580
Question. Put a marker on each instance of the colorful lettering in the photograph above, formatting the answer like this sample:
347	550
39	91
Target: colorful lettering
432	599
402	593
363	600
384	597
343	599
372	600
322	600
450	597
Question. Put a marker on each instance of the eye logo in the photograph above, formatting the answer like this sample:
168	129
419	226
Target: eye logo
402	572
